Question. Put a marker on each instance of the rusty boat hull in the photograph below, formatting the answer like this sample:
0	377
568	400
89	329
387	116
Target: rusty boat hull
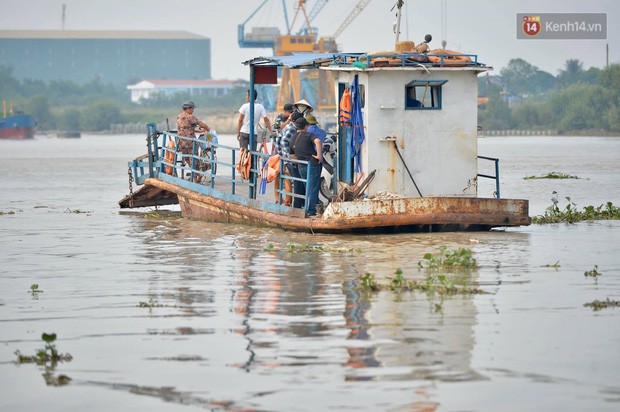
420	214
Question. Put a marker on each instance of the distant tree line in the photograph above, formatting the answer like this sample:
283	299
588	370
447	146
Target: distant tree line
575	101
94	106
522	97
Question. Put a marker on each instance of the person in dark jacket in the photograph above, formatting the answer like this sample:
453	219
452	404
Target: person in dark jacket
308	147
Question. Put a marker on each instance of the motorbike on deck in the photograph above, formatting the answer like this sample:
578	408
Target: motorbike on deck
328	180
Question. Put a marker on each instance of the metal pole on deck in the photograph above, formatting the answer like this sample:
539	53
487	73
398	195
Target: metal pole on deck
252	97
399	5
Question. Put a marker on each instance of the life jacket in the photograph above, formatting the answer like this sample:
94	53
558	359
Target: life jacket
273	165
169	157
345	108
243	167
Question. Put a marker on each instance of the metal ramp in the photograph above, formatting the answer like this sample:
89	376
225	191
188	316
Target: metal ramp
148	196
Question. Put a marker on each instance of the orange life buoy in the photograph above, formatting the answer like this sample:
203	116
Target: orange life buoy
386	62
448	57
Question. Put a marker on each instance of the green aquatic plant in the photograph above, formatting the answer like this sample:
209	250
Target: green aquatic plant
459	258
594	273
34	289
10	212
269	248
398	282
48	353
552	175
319	248
432	284
571	214
554	265
153	214
77	211
368	282
151	303
597	305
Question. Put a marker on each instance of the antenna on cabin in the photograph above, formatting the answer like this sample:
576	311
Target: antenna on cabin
444	23
64	7
399	5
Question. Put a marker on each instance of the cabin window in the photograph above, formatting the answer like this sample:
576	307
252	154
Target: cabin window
423	94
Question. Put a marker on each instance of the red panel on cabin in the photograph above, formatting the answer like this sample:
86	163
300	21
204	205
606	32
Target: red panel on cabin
265	75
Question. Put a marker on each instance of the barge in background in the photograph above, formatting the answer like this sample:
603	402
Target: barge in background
17	126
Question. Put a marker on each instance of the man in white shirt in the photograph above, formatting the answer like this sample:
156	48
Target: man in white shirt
243	126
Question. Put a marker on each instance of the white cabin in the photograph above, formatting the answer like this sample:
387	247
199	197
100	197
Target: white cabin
436	137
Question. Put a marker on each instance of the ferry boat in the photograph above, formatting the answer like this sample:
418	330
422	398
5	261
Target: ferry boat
416	168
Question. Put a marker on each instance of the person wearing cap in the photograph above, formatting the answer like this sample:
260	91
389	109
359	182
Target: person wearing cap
283	149
314	128
307	146
243	125
186	126
284	118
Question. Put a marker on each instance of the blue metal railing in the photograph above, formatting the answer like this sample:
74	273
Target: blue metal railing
200	170
496	177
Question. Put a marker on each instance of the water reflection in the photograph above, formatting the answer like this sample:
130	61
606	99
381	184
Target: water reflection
297	308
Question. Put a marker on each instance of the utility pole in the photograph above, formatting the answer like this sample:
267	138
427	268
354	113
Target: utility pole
607	58
64	7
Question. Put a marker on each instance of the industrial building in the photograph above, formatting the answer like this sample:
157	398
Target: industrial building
118	57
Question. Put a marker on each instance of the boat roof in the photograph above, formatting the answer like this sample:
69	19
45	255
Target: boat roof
362	61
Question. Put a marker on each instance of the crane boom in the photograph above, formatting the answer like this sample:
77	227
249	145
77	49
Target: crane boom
356	10
316	9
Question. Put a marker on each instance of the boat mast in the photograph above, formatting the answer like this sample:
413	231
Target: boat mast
399	5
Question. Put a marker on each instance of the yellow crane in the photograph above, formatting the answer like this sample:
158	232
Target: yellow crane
316	86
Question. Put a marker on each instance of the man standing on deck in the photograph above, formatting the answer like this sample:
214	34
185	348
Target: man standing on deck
303	147
243	125
282	119
282	148
186	127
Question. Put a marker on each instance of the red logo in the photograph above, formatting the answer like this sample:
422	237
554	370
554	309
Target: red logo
531	25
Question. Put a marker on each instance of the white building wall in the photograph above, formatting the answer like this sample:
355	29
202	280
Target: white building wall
439	146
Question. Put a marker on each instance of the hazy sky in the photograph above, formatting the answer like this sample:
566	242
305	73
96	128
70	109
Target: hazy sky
483	27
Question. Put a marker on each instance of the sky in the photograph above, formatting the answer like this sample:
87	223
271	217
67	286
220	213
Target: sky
483	27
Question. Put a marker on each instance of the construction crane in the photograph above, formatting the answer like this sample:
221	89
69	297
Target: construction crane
259	37
314	86
316	9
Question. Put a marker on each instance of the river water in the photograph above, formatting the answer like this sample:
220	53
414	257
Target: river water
161	313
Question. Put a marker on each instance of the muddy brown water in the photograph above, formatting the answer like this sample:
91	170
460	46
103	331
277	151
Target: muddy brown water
235	327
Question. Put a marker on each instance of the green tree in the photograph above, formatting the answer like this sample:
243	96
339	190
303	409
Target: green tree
525	79
527	115
572	73
612	118
9	86
39	107
70	119
100	115
496	115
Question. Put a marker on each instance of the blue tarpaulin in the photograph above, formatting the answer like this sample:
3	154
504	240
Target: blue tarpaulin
295	60
357	124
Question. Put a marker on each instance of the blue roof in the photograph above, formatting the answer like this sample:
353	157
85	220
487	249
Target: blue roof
296	60
362	60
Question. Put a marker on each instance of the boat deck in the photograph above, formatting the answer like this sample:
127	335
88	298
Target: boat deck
226	197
